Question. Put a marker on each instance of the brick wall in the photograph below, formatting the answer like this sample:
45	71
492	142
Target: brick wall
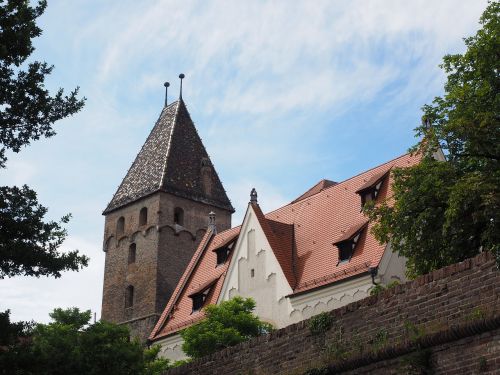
448	320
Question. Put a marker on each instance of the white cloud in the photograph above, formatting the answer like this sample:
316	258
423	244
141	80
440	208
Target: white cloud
34	298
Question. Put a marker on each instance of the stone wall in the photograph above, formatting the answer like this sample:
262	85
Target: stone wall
163	250
447	321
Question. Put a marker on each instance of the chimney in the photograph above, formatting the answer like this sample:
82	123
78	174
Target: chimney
211	222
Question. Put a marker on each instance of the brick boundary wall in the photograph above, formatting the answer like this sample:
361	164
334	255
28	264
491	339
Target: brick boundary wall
447	321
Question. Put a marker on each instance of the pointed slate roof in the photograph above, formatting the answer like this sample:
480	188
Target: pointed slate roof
171	160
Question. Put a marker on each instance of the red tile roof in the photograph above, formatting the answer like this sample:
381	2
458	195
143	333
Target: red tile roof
200	271
320	186
349	233
302	235
373	180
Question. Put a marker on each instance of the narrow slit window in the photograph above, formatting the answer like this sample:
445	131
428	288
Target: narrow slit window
129	296
179	216
120	226
143	216
132	250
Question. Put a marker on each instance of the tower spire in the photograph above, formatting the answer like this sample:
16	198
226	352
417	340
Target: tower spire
166	84
181	76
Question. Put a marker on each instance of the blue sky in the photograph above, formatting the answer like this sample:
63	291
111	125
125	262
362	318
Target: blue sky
283	93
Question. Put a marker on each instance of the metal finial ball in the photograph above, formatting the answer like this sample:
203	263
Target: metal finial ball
166	84
181	76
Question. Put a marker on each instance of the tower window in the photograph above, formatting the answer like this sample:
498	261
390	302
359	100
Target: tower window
179	216
129	296
120	226
131	253
143	216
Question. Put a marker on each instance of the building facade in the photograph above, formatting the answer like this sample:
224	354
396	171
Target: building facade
156	220
313	255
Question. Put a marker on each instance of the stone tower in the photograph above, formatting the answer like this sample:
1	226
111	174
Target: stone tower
156	219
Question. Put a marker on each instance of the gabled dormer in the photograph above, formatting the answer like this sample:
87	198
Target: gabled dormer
223	252
370	190
200	294
347	242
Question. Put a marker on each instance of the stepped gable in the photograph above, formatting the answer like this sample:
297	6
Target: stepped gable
302	236
172	160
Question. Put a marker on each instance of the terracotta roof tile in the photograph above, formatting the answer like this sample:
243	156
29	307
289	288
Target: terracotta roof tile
202	270
351	231
302	235
373	180
320	186
280	238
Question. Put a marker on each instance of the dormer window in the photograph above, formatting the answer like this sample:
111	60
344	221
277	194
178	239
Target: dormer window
223	251
370	190
200	294
222	254
347	243
199	300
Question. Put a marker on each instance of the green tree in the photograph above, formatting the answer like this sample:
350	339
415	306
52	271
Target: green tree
226	324
445	212
71	345
28	244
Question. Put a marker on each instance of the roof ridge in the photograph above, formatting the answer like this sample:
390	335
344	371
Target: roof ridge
174	122
137	154
337	184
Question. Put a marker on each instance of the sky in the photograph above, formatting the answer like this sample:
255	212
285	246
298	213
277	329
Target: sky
283	94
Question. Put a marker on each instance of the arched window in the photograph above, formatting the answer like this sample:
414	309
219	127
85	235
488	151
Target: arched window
131	253
143	216
129	296
179	216
120	226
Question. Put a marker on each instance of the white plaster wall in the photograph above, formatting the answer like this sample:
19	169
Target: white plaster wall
171	348
268	286
330	297
392	267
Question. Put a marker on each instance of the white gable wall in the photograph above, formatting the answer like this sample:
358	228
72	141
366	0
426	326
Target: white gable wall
268	285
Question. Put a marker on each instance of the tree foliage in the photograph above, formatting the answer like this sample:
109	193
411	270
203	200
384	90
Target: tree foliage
445	212
27	110
28	244
226	324
71	345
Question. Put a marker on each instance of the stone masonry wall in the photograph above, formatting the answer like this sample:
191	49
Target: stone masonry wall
447	321
163	250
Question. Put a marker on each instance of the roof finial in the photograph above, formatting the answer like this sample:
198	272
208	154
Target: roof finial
211	222
166	84
253	196
181	76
